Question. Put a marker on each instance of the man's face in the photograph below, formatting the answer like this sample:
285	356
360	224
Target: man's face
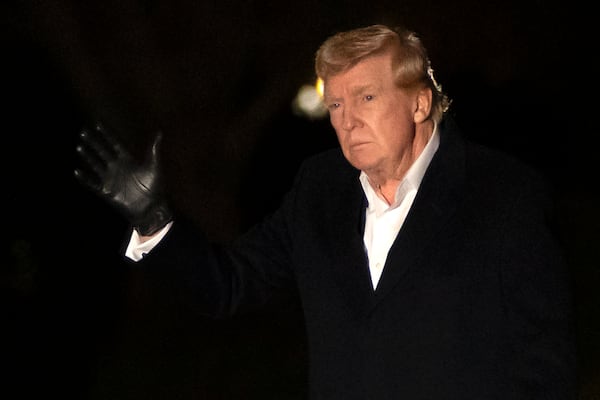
372	117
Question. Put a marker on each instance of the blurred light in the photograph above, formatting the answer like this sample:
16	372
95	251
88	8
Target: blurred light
309	101
320	87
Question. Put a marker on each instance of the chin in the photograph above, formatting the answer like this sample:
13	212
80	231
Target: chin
360	164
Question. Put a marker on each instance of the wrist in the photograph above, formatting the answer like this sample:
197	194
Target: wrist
154	220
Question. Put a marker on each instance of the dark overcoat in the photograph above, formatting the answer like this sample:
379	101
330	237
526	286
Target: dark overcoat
474	301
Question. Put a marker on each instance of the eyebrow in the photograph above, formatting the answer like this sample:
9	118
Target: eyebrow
362	88
353	92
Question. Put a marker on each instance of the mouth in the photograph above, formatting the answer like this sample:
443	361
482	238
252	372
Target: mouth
358	145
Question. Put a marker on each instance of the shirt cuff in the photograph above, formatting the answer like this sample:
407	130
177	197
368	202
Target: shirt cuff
137	250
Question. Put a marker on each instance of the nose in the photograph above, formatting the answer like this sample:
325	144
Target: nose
350	119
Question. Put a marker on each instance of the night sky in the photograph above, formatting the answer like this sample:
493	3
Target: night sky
218	78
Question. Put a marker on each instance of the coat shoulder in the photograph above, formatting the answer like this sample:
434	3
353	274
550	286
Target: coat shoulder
328	166
505	170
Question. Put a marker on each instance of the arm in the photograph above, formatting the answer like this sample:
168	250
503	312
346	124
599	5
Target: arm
184	268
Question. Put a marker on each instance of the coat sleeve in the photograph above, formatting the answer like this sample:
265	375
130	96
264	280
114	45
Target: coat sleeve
220	280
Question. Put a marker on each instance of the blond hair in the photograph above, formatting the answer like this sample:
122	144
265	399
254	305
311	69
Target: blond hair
410	60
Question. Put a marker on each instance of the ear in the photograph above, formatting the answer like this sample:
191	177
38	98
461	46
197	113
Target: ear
422	105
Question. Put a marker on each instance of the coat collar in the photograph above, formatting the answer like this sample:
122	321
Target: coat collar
435	202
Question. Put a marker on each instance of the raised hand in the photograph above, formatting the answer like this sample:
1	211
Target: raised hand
134	189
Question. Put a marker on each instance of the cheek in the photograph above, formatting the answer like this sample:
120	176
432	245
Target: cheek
334	119
336	123
340	135
397	119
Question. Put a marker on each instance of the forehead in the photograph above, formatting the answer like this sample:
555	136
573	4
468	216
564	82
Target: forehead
372	71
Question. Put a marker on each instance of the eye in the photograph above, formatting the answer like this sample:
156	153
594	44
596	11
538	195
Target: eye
333	106
368	97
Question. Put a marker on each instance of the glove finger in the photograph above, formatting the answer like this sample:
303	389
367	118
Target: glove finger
97	146
155	149
109	143
91	158
89	181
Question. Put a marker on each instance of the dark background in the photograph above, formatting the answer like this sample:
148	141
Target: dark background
219	78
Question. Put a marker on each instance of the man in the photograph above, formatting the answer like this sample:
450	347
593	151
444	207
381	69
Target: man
425	264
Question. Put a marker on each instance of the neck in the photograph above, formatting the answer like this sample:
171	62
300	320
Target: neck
386	185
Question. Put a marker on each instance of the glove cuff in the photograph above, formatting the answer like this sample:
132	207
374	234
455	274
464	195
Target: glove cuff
154	220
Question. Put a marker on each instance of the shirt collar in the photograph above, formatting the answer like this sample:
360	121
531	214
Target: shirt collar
412	179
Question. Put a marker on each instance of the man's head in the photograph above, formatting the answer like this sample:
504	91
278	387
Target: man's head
410	59
381	96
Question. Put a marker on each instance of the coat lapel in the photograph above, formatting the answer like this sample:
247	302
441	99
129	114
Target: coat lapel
345	228
434	204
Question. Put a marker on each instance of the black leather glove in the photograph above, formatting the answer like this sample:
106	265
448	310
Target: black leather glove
134	189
